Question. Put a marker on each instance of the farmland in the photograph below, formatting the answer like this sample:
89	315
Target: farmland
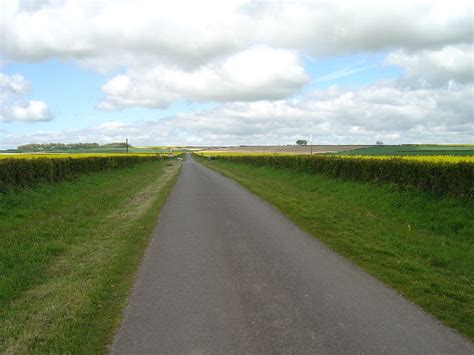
236	177
90	148
422	158
76	227
281	149
406	220
385	150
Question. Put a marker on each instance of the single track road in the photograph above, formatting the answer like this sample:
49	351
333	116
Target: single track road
227	273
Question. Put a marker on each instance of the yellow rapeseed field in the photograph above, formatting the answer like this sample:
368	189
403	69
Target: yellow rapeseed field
77	155
422	158
425	158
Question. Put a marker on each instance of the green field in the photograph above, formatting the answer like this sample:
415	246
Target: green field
68	254
417	243
467	149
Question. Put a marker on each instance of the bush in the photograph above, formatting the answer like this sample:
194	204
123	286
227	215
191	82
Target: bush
16	172
445	179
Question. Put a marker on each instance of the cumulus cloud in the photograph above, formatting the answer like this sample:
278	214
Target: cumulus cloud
338	115
246	55
230	50
13	88
190	34
255	74
12	85
332	116
436	67
31	111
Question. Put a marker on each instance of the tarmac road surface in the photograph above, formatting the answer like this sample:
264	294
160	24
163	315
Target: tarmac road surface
225	273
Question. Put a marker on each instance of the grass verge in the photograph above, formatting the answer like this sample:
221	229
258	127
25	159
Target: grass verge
419	244
68	254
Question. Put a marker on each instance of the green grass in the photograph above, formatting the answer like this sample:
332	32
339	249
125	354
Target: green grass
419	244
68	254
465	150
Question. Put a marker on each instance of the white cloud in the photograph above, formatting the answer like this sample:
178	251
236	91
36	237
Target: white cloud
13	107
32	111
333	116
12	85
255	74
245	54
337	115
436	67
233	50
114	33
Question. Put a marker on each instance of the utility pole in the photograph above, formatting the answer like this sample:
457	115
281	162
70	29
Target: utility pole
311	144
126	145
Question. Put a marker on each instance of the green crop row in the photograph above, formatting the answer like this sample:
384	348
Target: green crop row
445	179
26	172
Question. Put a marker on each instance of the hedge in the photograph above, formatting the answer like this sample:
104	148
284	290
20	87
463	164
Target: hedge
26	172
444	179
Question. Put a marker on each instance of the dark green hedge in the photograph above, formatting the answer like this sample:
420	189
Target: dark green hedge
26	172
445	179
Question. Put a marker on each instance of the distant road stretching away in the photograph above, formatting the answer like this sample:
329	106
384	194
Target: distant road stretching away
227	273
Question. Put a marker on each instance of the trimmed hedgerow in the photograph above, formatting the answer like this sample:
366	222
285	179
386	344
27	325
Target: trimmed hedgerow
19	173
441	178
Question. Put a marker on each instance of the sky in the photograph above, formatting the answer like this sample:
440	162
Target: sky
236	72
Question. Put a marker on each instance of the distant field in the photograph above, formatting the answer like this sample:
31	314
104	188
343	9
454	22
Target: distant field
429	149
464	150
103	150
399	150
317	149
57	155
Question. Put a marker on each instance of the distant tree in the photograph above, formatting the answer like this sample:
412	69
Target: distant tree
379	143
301	142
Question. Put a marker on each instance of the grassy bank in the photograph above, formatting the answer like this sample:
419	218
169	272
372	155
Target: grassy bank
419	244
68	253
